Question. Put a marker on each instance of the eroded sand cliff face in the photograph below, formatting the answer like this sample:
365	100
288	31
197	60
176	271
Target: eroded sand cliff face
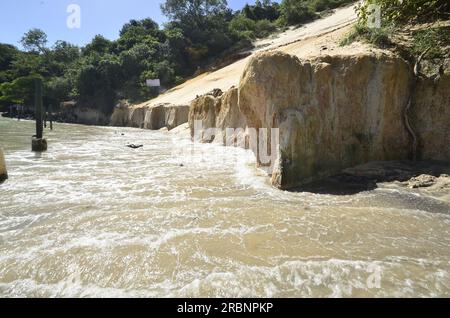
335	107
431	118
152	117
313	38
333	112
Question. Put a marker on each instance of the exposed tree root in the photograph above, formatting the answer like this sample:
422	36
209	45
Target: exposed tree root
411	130
417	75
417	66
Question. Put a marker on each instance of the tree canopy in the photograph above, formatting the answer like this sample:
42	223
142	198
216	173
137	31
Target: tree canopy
192	10
34	40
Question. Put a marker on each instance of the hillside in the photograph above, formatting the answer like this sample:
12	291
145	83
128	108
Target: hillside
320	36
335	106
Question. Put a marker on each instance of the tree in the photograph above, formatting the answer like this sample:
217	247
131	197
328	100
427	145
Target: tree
27	63
99	45
136	32
64	52
204	25
19	91
192	10
243	27
266	10
142	28
248	12
62	55
35	41
97	80
58	89
175	49
8	54
295	12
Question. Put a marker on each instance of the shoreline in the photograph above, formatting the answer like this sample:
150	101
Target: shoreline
428	179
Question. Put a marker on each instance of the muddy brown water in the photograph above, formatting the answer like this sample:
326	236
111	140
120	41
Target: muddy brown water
92	217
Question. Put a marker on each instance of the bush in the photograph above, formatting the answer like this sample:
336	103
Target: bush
377	36
244	28
264	28
267	10
322	5
295	12
395	14
404	11
435	39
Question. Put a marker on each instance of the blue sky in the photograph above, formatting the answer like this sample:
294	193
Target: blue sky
104	17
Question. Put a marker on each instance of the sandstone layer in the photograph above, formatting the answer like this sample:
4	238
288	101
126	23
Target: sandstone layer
154	118
431	118
332	112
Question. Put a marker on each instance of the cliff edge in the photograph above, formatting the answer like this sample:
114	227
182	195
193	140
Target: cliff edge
333	112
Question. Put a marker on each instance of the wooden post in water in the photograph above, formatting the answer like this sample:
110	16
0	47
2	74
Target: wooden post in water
38	143
3	173
38	108
50	116
45	119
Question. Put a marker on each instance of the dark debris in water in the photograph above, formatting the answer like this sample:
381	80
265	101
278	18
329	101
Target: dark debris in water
133	146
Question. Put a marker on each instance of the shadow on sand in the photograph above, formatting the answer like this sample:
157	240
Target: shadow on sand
366	177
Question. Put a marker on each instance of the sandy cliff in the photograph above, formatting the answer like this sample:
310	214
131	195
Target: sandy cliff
312	39
333	112
431	118
153	118
334	107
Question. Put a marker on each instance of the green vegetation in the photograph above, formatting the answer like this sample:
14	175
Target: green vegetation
377	36
436	39
398	16
295	12
406	11
199	32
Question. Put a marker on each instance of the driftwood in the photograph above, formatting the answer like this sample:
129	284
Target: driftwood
132	146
